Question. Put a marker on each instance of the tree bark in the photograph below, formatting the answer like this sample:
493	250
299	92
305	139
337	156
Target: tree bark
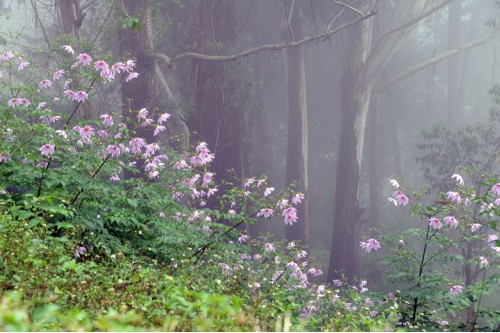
454	10
296	166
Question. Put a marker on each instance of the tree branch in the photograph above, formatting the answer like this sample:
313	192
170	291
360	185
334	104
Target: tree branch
206	57
412	22
398	77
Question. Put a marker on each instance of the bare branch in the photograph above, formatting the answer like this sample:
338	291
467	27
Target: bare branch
412	22
335	18
269	47
340	3
436	59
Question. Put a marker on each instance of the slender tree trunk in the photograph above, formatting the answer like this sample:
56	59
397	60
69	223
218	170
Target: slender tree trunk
454	10
374	162
296	166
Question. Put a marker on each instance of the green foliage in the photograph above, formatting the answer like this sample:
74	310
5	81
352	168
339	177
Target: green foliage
132	23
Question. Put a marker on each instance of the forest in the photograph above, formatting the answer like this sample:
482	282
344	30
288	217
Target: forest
249	165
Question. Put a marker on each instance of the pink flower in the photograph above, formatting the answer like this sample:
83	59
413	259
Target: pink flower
337	283
454	196
4	157
23	65
6	56
475	227
164	117
25	102
458	178
101	65
114	151
248	182
492	239
242	239
86	131
131	76
68	49
58	74
117	68
14	102
268	191
290	215
266	212
297	198
496	189
484	261
84	59
80	96
158	129
129	65
455	290
207	178
136	145
62	134
44	84
401	198
371	244
435	223
268	247
41	105
107	120
47	149
452	221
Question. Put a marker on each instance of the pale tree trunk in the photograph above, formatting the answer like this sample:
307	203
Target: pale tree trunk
454	11
258	136
296	166
374	162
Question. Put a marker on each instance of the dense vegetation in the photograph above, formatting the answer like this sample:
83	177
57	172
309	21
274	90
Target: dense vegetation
90	242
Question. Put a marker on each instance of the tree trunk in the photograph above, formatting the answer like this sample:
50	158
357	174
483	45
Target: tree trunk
454	10
296	165
374	163
139	93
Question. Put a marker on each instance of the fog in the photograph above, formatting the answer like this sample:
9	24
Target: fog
339	115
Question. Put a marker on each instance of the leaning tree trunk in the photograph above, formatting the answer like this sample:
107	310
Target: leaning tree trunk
296	163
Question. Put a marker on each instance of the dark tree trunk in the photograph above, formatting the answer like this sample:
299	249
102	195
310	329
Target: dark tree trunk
139	93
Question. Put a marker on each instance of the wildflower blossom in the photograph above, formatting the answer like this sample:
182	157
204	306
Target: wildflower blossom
452	221
23	65
114	151
44	84
266	212
248	182
496	189
242	239
268	191
68	49
164	117
84	59
58	74
394	183
458	178
80	96
47	149
80	251
131	76
14	102
435	223
454	196
455	290
101	65
107	120
475	227
337	283
297	198
87	131
41	105
4	156
269	247
492	239
371	244
484	261
290	215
